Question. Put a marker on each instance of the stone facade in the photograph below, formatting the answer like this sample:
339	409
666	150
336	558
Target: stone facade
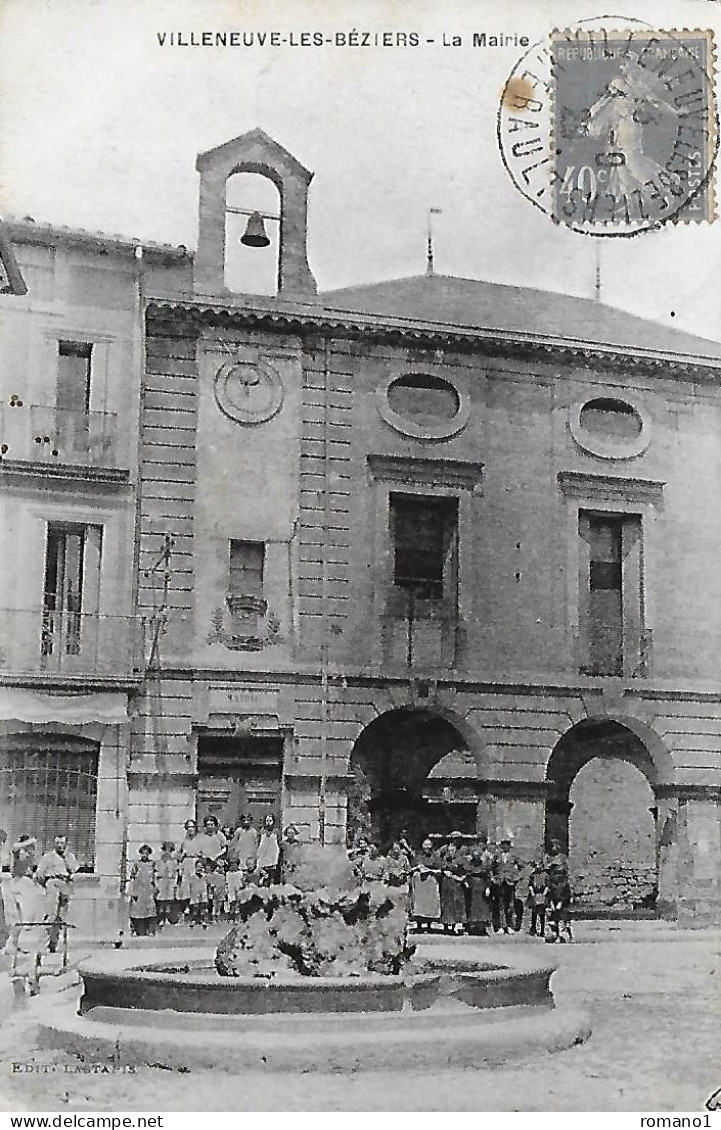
293	666
498	685
72	659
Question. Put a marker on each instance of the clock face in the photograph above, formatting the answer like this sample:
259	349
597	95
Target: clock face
249	392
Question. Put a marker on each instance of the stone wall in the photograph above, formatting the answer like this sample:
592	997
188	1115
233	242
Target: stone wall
612	836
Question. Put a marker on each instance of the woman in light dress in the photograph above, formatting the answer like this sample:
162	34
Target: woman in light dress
268	856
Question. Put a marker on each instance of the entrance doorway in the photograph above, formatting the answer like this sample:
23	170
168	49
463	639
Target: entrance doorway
238	776
392	788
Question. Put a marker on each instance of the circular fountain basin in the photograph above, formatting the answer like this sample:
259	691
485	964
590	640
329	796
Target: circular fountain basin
447	1009
195	987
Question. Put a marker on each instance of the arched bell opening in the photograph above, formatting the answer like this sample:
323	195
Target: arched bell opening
252	234
412	771
602	810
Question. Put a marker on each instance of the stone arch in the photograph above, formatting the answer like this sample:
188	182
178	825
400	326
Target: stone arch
592	741
391	765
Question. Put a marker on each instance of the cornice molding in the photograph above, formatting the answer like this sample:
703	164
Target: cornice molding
302	319
146	779
457	473
105	476
710	793
577	484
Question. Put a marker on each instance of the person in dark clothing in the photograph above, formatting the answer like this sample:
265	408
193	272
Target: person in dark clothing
559	906
425	889
506	873
453	896
478	880
538	900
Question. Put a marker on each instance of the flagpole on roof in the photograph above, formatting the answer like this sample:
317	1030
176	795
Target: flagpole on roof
429	242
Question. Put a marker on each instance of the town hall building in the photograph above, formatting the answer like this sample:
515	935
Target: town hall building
424	555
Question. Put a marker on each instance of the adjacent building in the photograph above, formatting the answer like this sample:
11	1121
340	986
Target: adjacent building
425	554
71	650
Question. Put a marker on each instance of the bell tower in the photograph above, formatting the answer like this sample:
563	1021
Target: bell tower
254	152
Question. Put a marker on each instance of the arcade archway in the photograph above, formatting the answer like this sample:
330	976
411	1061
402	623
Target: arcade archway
412	769
601	807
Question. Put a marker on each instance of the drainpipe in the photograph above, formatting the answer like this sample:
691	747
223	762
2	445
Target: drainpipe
137	644
324	604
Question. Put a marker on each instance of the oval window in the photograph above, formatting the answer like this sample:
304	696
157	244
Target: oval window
610	420
423	399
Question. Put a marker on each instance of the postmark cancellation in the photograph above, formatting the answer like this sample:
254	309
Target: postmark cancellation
614	131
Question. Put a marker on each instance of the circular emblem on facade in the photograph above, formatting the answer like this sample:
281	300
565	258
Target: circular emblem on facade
422	406
610	126
249	392
610	428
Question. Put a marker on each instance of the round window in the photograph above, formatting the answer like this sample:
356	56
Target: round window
424	400
611	420
610	427
423	406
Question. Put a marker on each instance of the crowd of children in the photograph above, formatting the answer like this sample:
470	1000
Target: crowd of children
462	884
199	880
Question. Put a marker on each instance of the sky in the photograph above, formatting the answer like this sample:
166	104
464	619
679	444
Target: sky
100	128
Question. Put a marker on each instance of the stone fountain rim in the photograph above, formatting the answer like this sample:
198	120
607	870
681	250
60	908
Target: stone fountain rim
138	969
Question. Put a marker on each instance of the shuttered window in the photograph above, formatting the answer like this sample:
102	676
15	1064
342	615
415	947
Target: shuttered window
74	368
424	535
48	788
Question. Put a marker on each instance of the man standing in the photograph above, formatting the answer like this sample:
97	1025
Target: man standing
506	873
55	872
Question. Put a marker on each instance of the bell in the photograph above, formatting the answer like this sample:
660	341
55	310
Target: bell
255	233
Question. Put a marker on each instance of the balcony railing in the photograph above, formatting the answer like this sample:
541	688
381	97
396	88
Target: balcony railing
47	435
420	630
606	649
62	642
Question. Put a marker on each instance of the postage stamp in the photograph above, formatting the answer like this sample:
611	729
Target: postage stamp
633	127
613	132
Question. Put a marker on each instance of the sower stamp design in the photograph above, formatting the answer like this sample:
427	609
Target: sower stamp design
633	128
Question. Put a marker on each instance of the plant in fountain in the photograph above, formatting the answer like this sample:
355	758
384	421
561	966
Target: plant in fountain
332	917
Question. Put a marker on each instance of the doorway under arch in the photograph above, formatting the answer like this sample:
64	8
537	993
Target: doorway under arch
395	786
601	808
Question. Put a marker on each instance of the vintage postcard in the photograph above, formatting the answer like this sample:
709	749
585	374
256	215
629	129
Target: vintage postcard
360	480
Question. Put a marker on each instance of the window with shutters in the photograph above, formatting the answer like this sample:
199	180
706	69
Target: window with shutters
72	396
424	536
71	590
74	370
611	612
48	788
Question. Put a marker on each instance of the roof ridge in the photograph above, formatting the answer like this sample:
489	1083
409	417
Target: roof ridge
578	308
15	225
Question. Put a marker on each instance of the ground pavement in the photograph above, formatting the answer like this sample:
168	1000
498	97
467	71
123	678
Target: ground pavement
653	993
